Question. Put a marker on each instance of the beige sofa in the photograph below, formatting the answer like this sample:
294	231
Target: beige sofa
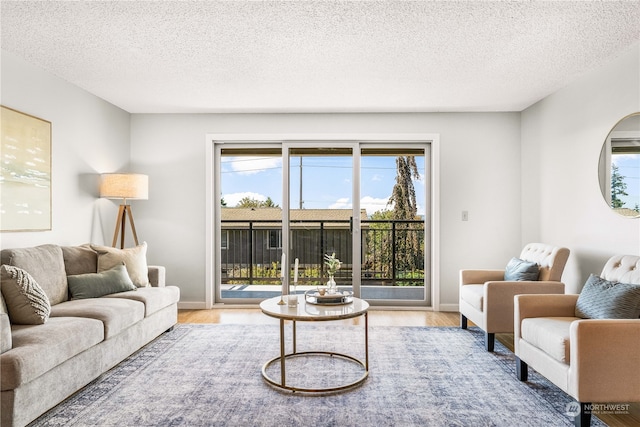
42	364
594	360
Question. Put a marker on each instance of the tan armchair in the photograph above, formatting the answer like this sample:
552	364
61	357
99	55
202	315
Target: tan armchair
487	299
592	360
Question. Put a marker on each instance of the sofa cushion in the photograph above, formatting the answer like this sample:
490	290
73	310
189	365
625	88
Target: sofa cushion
473	295
94	285
3	305
80	259
604	299
45	264
520	270
27	304
5	333
39	348
154	299
549	334
134	258
115	314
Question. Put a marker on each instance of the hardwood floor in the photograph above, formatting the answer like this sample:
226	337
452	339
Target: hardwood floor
377	317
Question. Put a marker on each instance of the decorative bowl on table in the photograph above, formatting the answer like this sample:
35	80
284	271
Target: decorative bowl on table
317	296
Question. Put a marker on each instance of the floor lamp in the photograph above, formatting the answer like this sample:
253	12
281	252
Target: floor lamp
124	186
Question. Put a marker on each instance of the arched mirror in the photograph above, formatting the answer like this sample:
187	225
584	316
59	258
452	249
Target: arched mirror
619	167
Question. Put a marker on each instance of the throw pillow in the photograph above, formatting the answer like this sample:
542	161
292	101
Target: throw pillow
27	304
603	299
79	259
135	259
520	270
94	285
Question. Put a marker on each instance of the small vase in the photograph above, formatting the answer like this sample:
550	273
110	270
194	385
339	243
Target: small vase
331	285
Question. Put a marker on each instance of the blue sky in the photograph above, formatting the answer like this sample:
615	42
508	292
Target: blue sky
326	181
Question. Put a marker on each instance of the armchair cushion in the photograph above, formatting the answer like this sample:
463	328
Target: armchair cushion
549	334
520	270
473	294
604	299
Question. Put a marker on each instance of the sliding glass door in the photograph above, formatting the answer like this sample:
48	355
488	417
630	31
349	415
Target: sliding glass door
394	232
365	202
249	223
321	211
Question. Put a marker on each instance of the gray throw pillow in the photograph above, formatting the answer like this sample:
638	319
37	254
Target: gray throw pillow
79	259
94	285
27	304
603	299
520	270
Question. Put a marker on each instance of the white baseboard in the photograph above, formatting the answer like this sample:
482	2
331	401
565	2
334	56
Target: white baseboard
191	305
449	307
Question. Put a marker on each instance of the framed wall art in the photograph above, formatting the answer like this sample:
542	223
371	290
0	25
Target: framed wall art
25	176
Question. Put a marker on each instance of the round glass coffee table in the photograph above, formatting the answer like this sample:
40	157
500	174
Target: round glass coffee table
307	312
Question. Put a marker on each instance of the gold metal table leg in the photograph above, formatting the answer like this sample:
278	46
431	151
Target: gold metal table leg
294	337
366	340
282	358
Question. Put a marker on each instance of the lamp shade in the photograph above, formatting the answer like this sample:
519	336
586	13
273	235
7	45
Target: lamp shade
124	186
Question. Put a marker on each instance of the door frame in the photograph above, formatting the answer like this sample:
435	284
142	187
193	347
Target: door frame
212	188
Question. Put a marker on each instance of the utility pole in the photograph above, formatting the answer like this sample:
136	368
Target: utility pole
300	182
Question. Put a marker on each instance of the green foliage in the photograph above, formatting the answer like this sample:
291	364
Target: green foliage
270	275
333	264
408	240
403	195
618	187
403	241
249	202
378	256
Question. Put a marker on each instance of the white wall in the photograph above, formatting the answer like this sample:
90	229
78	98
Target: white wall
479	163
89	136
549	154
562	136
479	173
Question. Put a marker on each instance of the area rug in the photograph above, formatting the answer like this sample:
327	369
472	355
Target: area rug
210	375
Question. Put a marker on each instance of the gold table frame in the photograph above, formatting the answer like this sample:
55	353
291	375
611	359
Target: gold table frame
308	312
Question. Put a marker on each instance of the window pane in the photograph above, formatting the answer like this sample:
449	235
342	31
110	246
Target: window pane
251	218
321	206
393	233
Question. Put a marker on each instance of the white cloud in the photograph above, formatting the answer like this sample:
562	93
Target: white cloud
373	204
376	177
253	165
342	203
233	198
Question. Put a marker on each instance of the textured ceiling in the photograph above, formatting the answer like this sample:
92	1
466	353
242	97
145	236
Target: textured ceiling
319	56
